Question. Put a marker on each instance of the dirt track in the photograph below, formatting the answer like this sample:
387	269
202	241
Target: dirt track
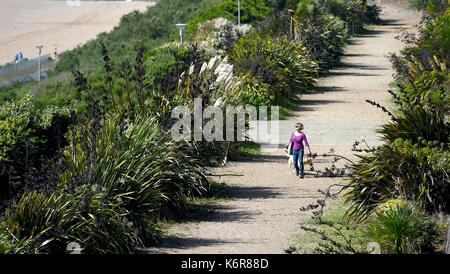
263	214
27	23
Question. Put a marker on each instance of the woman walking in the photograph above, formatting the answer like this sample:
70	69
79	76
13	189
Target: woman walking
297	139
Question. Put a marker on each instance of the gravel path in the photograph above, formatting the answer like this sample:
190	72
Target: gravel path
262	215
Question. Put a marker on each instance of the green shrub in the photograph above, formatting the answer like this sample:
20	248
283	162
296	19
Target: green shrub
356	10
283	65
138	159
118	183
28	136
402	168
429	87
417	124
165	65
403	229
254	92
433	41
35	215
432	7
251	11
218	36
41	223
422	67
324	35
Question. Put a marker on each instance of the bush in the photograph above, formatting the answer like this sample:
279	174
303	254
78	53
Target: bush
29	138
422	67
320	25
137	158
165	65
417	125
322	33
47	223
218	36
432	7
403	168
283	65
251	11
357	10
120	180
400	228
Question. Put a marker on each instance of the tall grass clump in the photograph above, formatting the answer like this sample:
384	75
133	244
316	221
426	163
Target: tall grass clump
118	183
322	32
401	228
282	64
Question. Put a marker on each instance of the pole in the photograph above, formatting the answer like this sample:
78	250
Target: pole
181	27
181	36
39	62
239	12
39	67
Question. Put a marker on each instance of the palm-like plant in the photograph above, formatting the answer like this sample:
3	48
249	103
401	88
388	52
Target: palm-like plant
417	124
402	228
400	169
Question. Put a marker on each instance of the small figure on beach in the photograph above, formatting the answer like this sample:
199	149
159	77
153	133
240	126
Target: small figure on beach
18	57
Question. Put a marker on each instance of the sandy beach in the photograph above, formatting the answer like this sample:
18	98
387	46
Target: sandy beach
56	24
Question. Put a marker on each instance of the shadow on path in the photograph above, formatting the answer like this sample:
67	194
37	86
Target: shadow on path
218	214
391	22
265	158
308	105
371	33
361	66
356	55
358	74
186	243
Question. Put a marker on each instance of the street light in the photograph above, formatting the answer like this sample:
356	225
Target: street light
39	62
181	27
239	12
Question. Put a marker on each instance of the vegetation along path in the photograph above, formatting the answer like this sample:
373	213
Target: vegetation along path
262	214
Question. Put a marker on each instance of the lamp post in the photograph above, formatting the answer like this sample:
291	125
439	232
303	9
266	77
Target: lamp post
181	27
239	12
39	61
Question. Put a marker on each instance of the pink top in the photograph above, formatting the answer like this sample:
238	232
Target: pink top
298	141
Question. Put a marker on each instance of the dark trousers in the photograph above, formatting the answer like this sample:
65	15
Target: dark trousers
298	157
